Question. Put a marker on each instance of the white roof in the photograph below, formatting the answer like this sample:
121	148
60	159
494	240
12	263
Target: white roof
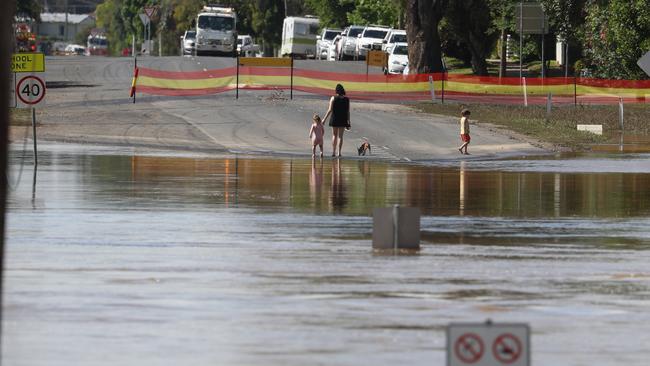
60	18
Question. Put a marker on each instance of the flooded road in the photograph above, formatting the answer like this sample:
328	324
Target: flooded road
140	257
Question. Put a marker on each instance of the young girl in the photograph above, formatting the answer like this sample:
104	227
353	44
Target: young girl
464	131
316	133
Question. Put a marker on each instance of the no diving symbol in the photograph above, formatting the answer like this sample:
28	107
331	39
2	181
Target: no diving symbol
469	348
506	348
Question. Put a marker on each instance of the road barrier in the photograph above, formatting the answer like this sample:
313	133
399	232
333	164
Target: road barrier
466	88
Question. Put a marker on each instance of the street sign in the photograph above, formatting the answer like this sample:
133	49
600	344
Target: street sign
27	62
150	10
531	19
145	19
30	91
488	344
377	58
644	63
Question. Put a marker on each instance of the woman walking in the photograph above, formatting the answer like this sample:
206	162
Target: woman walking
339	109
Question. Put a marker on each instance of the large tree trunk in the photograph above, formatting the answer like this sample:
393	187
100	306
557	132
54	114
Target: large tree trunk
422	18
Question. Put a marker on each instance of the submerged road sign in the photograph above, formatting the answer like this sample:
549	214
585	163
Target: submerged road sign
488	344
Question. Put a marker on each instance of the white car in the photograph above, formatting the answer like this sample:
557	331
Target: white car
392	37
188	42
74	49
398	58
370	39
348	43
324	42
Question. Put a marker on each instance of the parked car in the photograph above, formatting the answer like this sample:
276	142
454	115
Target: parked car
188	42
348	42
246	47
398	58
324	42
392	37
75	49
370	39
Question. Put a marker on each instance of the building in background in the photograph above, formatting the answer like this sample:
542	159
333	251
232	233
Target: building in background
61	27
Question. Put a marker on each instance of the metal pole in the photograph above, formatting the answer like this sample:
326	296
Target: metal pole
135	67
395	227
521	38
237	82
575	91
620	113
34	136
291	86
543	60
444	76
566	59
525	93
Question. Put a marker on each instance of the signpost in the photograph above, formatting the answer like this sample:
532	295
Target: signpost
644	63
488	344
531	19
28	90
146	21
376	58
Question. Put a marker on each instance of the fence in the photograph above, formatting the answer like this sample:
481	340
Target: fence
479	89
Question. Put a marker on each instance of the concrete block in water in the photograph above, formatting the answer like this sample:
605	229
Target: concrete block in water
396	228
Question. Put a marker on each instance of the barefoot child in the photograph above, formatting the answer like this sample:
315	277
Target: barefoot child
316	133
464	131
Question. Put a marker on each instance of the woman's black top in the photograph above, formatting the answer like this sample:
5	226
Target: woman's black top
340	111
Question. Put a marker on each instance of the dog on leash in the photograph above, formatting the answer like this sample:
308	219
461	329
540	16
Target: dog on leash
364	148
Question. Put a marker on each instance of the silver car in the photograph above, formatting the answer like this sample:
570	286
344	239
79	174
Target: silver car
324	42
188	42
348	42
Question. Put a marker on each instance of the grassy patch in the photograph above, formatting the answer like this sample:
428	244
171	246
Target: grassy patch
560	128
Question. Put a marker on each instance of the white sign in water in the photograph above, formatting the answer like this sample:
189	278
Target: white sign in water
488	344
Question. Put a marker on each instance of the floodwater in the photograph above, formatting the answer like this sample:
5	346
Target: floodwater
135	257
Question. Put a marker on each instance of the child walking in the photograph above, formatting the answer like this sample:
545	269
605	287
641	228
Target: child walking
316	133
464	131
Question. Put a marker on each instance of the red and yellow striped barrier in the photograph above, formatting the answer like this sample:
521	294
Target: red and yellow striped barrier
393	87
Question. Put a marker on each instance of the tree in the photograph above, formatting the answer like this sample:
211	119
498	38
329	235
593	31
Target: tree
267	17
109	17
471	23
422	19
384	12
331	13
616	35
30	8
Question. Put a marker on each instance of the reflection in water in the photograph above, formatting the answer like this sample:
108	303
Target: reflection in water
338	198
356	187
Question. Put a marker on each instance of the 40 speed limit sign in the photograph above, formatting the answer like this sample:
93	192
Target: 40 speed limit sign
30	91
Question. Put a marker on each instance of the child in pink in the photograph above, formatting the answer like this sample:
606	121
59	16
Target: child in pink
316	133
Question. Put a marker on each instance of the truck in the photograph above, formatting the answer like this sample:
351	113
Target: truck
216	31
97	44
246	47
299	37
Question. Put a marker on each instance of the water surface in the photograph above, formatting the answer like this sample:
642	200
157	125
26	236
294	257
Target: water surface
121	256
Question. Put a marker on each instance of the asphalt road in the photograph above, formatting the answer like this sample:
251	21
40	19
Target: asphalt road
87	101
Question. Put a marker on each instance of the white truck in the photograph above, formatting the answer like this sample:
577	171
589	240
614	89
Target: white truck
246	47
216	31
299	37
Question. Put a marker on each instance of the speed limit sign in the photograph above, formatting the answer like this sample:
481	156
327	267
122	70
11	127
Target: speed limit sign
30	91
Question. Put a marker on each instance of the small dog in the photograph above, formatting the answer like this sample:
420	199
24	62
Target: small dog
364	148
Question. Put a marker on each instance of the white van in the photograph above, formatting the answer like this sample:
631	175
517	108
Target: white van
299	37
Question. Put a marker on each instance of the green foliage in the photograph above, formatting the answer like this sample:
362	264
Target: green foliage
109	18
381	12
30	8
331	13
267	17
616	35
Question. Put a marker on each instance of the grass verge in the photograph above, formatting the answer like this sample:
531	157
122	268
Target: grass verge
559	130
